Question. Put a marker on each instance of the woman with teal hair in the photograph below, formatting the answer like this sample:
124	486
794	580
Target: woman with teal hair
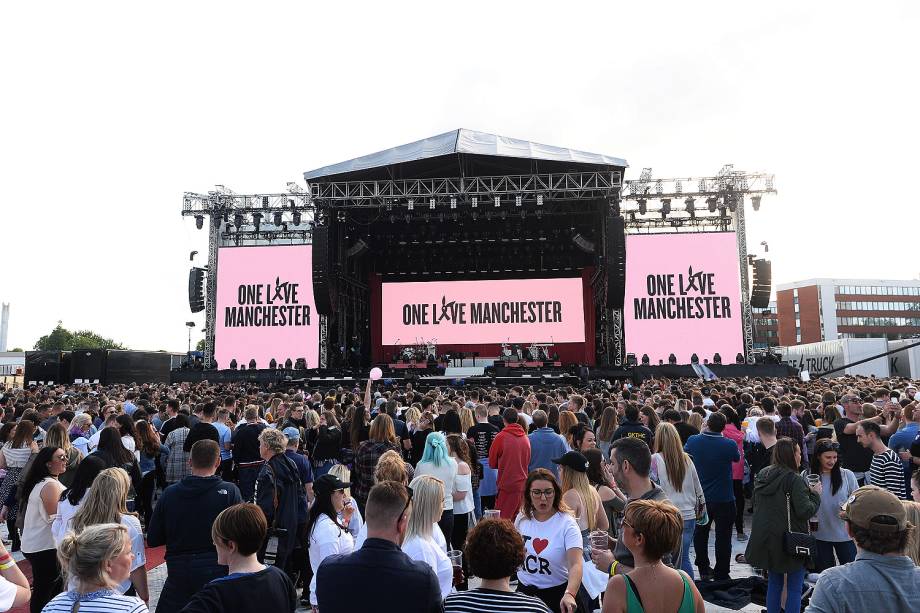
436	461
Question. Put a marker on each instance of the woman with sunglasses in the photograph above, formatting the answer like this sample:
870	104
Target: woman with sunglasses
327	534
553	562
837	485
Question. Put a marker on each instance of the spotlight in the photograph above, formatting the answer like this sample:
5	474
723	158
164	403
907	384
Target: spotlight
665	207
690	202
518	200
672	359
453	202
717	359
252	364
411	204
694	359
539	199
199	221
642	206
296	217
264	200
755	202
739	359
273	364
645	360
475	202
288	365
276	218
238	220
233	364
257	220
732	203
630	359
431	203
711	203
498	201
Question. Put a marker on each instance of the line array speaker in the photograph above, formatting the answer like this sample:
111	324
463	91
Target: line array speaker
763	279
196	289
616	262
323	290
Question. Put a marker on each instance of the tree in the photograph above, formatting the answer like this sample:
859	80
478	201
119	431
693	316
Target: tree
62	339
199	346
16	349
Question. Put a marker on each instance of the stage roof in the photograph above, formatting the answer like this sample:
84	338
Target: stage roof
422	157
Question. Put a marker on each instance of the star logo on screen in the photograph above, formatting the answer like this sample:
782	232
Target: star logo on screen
694	280
448	310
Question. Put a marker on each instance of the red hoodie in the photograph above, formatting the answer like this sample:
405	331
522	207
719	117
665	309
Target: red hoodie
510	454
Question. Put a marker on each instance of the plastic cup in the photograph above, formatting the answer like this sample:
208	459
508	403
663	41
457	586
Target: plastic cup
813	479
599	540
456	561
492	514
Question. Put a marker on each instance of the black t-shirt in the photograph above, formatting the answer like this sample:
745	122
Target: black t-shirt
633	429
497	421
853	456
246	442
685	431
168	426
482	436
758	457
267	590
418	444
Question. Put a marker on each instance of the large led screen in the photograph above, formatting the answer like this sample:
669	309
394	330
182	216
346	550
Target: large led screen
683	296
265	307
480	312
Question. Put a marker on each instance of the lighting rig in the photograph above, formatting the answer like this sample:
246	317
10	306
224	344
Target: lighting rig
246	219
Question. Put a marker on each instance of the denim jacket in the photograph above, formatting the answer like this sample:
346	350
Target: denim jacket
872	583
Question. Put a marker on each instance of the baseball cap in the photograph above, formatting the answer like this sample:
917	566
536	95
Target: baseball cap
328	484
573	460
293	434
870	502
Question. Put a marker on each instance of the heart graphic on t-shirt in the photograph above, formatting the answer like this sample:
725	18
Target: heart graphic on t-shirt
540	544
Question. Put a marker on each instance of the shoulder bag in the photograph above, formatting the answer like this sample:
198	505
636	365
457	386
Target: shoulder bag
797	544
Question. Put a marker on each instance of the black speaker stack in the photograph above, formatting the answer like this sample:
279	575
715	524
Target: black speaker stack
616	261
762	282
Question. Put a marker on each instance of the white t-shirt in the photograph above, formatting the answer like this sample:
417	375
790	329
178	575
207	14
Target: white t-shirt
546	544
446	473
436	534
428	551
326	539
7	594
463	483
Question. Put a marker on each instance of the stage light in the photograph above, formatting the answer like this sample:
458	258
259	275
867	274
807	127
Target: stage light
453	202
264	200
296	218
732	203
711	203
645	360
257	220
739	359
717	359
288	365
665	207
755	202
233	364
498	201
689	202
276	218
694	359
539	199
238	221
518	200
643	206
411	204
672	359
273	364
199	221
475	202
252	364
227	228
630	359
431	203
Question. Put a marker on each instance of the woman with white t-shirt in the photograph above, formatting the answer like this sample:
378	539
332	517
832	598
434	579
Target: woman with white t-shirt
675	472
436	461
73	496
463	495
326	534
419	543
106	502
553	561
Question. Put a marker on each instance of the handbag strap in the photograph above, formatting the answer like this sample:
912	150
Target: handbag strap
788	511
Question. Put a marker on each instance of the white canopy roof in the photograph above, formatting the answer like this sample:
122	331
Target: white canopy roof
464	141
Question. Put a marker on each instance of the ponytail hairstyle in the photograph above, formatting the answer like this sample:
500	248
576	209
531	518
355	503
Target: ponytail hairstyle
83	556
435	449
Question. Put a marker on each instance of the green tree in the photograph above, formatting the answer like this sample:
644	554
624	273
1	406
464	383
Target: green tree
199	346
17	349
62	339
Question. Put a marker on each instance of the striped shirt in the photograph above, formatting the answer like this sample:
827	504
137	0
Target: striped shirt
493	601
103	601
887	471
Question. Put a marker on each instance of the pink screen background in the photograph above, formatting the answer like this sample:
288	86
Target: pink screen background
254	265
568	291
714	252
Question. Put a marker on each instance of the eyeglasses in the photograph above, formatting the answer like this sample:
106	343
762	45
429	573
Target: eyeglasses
826	446
626	523
542	493
408	502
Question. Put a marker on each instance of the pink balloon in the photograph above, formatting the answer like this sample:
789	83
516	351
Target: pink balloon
376	373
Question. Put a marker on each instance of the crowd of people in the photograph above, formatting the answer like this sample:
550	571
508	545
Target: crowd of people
461	499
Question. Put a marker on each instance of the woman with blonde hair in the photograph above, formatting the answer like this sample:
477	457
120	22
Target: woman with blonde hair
567	419
419	543
411	416
57	437
608	425
466	419
912	550
676	474
95	562
696	420
106	502
381	438
80	429
357	521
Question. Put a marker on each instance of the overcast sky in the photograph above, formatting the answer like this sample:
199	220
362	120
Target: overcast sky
111	110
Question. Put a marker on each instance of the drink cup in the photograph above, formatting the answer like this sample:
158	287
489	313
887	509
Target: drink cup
599	540
492	514
456	561
813	480
813	524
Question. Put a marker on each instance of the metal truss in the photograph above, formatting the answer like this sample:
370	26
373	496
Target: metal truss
529	188
747	316
267	236
210	310
222	201
323	341
616	317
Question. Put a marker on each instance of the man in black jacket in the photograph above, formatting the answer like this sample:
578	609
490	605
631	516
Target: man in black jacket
632	427
182	521
389	580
